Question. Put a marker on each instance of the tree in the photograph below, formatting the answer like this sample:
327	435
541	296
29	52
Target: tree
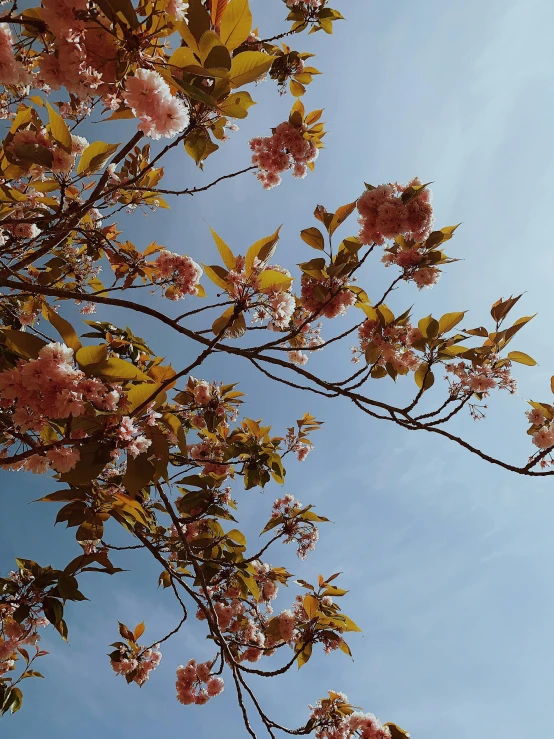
135	442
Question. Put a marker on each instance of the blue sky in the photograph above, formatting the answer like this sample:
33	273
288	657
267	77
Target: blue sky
449	560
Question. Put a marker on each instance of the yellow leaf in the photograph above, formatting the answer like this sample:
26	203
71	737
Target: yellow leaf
396	732
95	157
304	655
215	278
187	36
232	329
46	185
139	631
449	320
262	250
182	57
248	67
297	89
87	355
341	215
313	237
23	343
58	128
429	327
423	377
386	313
270	278
142	392
118	369
236	24
237	104
369	310
311	605
23	116
313	117
63	327
226	254
522	358
349	624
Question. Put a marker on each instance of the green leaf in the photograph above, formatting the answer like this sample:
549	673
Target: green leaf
53	610
236	24
16	699
95	157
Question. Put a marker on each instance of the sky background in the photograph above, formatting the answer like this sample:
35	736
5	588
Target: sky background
449	560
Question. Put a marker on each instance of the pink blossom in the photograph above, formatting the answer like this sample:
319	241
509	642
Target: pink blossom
535	416
63	459
215	686
180	275
384	215
202	393
12	71
544	438
150	98
285	149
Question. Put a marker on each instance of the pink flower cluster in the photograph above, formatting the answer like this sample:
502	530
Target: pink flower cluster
209	453
150	98
384	214
12	71
481	379
542	427
62	161
300	448
205	402
37	390
15	636
179	275
305	4
326	296
332	723
391	344
409	260
83	56
285	149
282	305
191	680
137	666
305	533
130	438
177	9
